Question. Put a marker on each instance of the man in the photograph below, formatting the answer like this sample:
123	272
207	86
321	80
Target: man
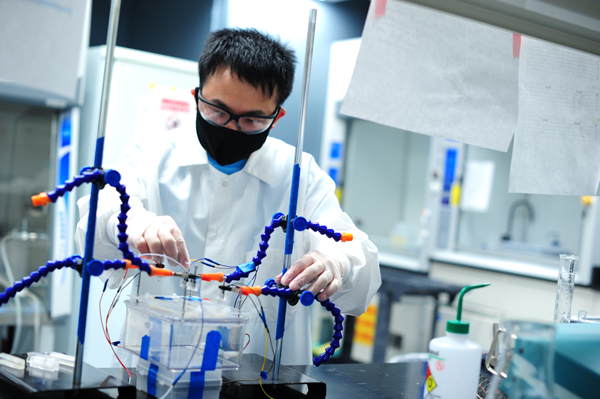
209	193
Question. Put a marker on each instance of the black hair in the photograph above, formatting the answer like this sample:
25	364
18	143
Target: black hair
254	57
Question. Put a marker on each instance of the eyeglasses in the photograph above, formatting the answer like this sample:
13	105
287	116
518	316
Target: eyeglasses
247	123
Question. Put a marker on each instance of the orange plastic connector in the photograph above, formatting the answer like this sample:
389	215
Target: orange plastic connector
347	237
213	277
154	271
256	290
160	272
41	199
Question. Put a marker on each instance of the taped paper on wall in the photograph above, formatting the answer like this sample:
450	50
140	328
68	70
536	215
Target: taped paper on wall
557	142
428	72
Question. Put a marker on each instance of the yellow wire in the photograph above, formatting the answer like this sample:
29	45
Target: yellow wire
263	365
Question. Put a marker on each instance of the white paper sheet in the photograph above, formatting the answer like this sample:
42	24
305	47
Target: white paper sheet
432	73
557	142
477	187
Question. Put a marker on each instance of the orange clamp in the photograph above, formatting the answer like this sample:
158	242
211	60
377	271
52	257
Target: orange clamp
154	271
160	272
40	200
256	290
213	277
347	237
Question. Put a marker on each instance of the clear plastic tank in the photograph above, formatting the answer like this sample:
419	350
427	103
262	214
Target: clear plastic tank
177	333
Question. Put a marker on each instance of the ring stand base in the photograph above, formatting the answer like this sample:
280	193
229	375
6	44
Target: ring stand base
244	383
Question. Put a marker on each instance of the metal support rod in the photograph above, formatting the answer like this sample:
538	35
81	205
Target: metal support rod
289	239
184	298
89	241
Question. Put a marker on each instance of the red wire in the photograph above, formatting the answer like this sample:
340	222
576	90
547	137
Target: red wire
105	330
248	343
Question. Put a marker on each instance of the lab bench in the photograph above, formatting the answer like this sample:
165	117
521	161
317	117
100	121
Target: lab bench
343	381
349	381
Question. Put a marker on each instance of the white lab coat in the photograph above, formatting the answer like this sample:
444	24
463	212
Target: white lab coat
222	216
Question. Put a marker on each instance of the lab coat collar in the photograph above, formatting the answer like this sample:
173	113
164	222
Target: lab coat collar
186	148
188	151
260	163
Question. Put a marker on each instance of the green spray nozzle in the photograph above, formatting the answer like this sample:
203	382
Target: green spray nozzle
457	326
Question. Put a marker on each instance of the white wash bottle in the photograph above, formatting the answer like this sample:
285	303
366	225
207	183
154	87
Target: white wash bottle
454	361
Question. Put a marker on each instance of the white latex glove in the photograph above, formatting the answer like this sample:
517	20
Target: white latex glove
149	233
323	271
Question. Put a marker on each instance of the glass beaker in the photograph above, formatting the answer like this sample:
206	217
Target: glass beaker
564	289
525	366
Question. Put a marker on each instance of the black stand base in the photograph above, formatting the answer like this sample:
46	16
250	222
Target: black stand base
30	383
244	383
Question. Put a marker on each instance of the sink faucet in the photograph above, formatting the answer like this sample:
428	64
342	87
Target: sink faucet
511	216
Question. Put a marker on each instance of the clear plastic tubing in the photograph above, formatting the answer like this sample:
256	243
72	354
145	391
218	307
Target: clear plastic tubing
564	289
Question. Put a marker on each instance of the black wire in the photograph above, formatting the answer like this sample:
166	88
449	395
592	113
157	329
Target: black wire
119	290
262	313
270	340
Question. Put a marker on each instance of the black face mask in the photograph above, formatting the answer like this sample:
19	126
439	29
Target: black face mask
227	146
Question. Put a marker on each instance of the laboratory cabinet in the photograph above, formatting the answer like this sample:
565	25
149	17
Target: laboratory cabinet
480	224
35	154
384	185
380	172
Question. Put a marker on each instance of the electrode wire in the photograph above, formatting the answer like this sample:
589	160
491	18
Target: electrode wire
105	330
195	348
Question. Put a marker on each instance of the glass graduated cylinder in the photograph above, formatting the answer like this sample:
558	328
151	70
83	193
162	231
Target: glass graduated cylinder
564	289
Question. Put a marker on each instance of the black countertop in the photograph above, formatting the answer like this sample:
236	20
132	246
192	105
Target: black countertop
343	381
378	380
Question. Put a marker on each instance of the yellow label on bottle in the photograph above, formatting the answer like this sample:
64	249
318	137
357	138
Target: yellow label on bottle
430	382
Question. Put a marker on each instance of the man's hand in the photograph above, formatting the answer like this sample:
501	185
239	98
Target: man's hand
323	271
159	236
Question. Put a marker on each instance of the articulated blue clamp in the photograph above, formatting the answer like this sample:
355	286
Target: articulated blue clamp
300	223
307	298
96	267
337	333
35	276
322	229
90	176
245	269
122	217
241	271
273	290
